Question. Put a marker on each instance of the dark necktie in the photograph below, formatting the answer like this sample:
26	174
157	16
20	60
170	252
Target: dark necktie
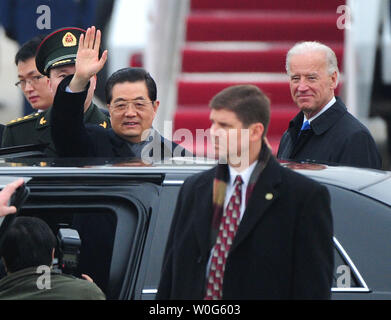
228	226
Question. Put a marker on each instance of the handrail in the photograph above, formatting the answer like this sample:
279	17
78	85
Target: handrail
362	42
350	68
163	54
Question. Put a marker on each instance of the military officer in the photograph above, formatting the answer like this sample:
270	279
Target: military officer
55	59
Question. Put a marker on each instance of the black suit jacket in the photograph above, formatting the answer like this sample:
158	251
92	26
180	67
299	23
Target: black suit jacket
73	138
335	137
282	250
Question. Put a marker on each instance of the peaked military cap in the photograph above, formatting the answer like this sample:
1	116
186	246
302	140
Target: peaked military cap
57	49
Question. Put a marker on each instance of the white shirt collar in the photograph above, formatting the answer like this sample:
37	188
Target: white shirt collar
245	174
324	109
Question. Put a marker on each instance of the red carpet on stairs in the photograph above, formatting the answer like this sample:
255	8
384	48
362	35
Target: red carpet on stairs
261	27
245	41
278	5
271	59
200	93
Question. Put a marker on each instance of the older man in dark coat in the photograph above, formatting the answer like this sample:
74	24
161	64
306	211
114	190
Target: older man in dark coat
323	131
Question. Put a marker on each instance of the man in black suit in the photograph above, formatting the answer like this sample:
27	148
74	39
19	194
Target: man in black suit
323	131
132	102
248	228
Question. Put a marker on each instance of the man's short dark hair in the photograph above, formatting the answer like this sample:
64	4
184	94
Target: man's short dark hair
29	49
130	75
28	242
248	102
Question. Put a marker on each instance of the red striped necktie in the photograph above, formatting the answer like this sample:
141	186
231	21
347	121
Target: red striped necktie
228	225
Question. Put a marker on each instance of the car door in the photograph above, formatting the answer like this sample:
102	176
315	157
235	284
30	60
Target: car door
362	228
111	214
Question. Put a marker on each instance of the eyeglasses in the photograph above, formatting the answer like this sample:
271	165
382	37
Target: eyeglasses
122	106
32	81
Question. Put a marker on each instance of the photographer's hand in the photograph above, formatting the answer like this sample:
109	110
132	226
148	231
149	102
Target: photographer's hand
5	196
85	277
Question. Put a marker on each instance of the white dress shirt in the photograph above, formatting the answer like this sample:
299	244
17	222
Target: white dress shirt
245	174
324	109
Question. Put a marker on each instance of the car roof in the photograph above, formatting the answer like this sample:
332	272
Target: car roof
373	183
369	182
347	177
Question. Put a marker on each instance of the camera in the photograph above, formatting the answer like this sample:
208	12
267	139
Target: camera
68	250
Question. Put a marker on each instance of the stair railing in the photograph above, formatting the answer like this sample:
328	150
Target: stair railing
163	55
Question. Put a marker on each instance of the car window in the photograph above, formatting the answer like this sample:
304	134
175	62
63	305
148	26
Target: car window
362	226
343	276
112	222
346	277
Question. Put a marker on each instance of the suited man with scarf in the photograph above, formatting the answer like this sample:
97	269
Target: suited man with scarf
265	235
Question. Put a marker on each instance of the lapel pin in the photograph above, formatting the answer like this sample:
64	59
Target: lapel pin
269	196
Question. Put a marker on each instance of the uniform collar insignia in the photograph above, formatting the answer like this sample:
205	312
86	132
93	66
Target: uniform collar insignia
42	121
20	119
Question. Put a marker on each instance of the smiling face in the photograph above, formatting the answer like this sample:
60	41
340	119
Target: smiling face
130	122
312	87
38	93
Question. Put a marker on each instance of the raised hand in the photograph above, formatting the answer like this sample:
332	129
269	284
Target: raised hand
87	60
5	196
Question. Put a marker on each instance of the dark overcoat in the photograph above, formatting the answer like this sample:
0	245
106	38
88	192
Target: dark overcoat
283	248
336	137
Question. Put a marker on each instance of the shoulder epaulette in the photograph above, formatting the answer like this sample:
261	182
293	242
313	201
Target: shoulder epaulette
23	119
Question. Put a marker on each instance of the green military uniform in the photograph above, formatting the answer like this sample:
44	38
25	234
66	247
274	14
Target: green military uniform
23	285
57	49
35	129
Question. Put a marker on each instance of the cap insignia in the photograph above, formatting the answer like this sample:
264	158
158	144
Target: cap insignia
69	40
103	124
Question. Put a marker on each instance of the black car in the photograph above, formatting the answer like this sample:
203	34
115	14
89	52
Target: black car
122	211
